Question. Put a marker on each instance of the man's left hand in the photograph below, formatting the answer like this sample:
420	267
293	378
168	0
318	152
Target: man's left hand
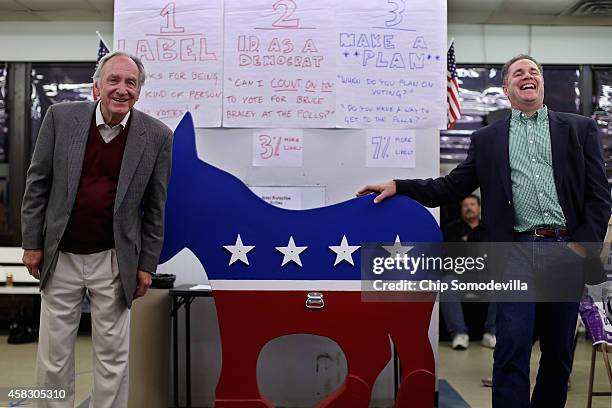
384	190
144	282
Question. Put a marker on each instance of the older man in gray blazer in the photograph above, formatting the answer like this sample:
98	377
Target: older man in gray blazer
92	219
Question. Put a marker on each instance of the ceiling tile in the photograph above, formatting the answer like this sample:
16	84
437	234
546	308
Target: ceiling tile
10	5
104	6
58	5
473	6
540	7
459	11
72	15
17	16
467	18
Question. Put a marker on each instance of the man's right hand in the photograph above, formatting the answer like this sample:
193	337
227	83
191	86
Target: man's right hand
32	259
384	190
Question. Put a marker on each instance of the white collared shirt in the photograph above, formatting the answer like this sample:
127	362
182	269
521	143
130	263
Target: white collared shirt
109	133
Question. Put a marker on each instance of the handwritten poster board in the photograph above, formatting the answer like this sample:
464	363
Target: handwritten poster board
278	147
290	63
180	44
390	148
391	64
279	63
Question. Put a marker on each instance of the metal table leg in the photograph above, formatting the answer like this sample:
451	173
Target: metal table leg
188	301
175	306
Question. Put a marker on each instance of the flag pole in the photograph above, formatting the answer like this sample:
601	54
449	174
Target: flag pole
102	39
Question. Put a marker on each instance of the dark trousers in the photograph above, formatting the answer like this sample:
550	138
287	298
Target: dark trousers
548	266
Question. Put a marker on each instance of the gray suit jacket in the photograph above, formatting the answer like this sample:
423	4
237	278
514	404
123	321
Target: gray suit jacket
53	180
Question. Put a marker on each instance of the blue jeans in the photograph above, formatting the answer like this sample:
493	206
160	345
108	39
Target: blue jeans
521	322
455	323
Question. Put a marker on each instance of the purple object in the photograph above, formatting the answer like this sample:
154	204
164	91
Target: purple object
597	317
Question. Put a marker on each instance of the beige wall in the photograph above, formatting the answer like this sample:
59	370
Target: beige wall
478	43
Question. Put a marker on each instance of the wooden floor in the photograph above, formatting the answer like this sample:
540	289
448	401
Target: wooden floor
18	364
462	369
465	369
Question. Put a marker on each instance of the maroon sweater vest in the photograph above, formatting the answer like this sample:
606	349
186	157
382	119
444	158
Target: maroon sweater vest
90	228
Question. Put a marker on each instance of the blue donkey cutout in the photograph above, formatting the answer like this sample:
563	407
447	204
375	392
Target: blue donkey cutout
207	209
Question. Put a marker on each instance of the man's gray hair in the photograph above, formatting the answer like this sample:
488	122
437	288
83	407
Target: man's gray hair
141	71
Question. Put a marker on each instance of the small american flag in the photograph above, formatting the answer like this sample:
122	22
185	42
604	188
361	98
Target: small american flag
102	51
452	89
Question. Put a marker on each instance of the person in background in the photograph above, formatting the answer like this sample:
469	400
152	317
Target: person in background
93	219
466	229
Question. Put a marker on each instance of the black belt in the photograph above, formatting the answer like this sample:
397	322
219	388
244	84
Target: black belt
547	232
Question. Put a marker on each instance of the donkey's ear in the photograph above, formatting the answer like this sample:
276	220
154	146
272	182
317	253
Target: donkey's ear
184	152
184	164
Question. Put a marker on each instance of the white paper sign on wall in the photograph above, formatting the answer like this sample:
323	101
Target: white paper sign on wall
279	63
391	64
278	147
292	197
181	46
390	148
283	197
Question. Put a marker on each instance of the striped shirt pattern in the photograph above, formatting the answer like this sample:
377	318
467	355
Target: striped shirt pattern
534	193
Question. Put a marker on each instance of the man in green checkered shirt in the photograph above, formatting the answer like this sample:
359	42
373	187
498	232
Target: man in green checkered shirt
543	182
533	185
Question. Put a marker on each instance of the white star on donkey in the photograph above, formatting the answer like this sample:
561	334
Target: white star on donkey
397	248
344	251
239	251
291	252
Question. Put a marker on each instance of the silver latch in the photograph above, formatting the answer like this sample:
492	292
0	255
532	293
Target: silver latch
314	300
